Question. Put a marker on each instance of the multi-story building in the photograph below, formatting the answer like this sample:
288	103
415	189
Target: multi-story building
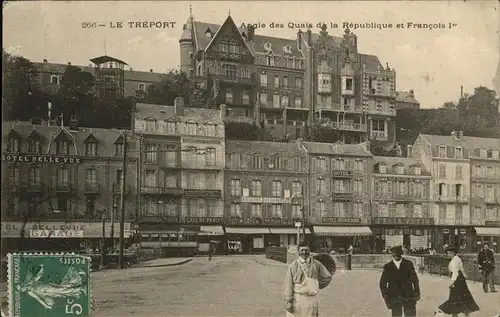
485	189
266	193
315	76
400	203
349	91
220	59
406	100
339	195
181	175
449	158
63	183
112	79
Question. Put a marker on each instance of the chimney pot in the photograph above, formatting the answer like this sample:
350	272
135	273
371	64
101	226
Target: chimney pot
179	106
309	37
69	63
151	70
45	60
411	92
299	40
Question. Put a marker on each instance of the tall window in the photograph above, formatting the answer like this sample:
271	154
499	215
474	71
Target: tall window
277	188
321	207
170	127
256	188
458	152
34	175
235	187
277	211
458	172
63	176
119	149
296	189
91	148
150	125
270	60
245	97
91	176
170	180
151	153
150	177
235	210
35	146
256	210
263	80
263	98
62	147
298	102
171	155
229	70
284	100
13	144
276	82
14	174
442	151
320	187
210	157
228	98
442	171
298	83
296	211
276	100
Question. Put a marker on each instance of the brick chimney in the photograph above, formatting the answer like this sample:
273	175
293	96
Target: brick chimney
223	111
179	106
250	33
45	60
309	37
151	70
69	63
73	124
299	40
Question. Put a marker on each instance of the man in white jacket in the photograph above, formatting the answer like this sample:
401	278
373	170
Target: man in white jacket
304	278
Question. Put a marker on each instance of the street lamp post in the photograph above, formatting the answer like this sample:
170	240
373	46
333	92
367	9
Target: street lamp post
112	233
103	252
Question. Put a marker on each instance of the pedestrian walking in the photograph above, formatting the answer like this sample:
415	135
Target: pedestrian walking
350	251
210	250
399	285
304	278
460	300
486	261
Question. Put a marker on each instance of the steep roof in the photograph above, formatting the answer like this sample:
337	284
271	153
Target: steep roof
336	149
265	148
406	162
467	142
336	39
105	137
406	96
371	61
159	112
277	45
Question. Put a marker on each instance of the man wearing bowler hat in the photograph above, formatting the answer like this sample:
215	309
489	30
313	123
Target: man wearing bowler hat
399	285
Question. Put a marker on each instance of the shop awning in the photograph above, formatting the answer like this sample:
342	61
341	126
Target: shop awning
247	230
211	231
487	231
288	230
341	231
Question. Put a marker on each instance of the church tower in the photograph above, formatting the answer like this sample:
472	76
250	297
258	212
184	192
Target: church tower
187	46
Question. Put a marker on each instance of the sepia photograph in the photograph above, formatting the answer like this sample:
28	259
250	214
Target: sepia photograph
250	159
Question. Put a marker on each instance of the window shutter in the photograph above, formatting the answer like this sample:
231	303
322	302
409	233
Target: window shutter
365	188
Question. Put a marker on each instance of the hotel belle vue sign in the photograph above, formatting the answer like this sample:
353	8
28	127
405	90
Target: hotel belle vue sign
52	159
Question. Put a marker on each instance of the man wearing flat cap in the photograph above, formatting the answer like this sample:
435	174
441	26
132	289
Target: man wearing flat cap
399	285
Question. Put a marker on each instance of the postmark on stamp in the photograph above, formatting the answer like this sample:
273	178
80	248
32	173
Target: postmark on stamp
49	284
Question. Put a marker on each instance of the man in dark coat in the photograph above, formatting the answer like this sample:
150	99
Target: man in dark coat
486	261
399	285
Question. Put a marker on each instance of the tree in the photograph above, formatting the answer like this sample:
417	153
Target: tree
20	88
449	105
110	114
377	148
173	84
76	94
246	131
322	132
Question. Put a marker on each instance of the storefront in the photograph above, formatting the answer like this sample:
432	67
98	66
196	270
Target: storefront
460	237
58	236
338	233
210	232
286	236
246	239
413	233
489	234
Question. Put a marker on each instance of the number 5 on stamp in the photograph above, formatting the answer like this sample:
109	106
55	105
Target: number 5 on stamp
43	285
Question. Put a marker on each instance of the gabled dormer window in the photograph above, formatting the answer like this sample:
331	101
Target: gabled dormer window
91	148
35	146
417	170
399	169
119	147
459	152
13	144
62	147
150	125
442	151
382	169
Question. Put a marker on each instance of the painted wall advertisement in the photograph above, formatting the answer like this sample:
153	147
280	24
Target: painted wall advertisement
61	229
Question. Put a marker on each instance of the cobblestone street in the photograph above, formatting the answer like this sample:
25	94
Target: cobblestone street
250	286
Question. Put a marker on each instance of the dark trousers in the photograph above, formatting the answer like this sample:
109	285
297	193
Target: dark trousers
409	309
488	280
349	262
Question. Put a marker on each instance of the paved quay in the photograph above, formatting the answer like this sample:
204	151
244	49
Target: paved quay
251	286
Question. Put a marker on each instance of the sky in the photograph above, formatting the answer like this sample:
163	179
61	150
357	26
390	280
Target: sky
435	63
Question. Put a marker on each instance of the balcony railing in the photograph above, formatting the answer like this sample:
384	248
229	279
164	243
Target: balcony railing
228	77
382	111
379	135
459	222
377	93
339	107
342	195
92	188
63	187
161	191
452	199
186	164
35	187
345	125
192	192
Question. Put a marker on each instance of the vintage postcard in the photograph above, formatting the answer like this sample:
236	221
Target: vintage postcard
250	158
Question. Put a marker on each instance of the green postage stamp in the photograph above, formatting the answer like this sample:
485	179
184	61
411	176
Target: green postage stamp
51	284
